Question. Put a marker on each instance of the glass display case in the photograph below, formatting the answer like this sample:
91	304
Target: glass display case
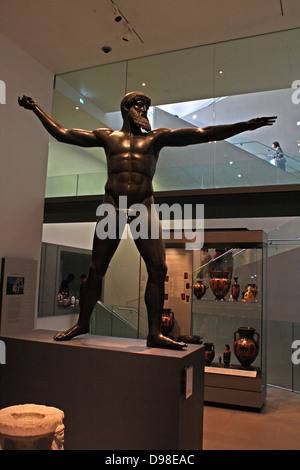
228	312
63	271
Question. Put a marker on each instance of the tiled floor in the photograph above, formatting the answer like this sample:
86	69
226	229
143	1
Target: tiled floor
275	427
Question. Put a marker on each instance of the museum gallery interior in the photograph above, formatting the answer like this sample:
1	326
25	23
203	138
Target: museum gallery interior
150	215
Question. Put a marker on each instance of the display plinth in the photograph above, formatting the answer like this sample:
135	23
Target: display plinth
116	393
234	386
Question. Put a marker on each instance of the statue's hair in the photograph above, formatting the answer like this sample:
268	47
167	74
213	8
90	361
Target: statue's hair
130	98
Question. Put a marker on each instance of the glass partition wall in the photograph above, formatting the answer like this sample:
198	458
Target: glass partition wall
201	86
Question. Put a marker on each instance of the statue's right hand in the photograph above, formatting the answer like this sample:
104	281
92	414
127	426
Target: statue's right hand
27	102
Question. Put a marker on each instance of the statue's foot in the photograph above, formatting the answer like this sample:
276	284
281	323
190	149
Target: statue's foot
160	341
74	331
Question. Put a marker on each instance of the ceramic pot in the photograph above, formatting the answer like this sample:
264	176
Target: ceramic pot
199	289
253	289
209	353
220	282
235	289
167	321
250	293
246	347
226	355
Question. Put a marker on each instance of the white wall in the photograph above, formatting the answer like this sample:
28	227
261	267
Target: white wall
23	153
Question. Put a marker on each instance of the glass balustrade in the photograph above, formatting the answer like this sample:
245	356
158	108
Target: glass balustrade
119	321
235	162
203	86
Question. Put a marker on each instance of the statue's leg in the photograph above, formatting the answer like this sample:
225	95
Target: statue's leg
103	251
152	251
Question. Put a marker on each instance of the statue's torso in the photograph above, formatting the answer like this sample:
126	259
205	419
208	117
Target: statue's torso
131	163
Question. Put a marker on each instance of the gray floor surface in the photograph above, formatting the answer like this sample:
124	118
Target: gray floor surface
275	427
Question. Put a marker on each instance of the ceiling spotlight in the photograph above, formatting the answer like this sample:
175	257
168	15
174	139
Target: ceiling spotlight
127	35
117	14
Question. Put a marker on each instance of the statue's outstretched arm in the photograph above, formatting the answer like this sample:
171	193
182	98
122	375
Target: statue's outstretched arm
194	135
79	137
229	130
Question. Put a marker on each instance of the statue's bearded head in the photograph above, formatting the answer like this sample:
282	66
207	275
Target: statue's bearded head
135	105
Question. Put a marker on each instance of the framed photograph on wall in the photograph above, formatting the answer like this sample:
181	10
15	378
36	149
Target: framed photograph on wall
18	295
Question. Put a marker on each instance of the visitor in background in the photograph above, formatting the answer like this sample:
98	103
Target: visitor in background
64	287
204	262
279	159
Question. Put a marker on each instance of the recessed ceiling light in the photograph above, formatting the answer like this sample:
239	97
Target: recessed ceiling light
231	163
298	123
194	116
220	72
77	107
239	175
143	84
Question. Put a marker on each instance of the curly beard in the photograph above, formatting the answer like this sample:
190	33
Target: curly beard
138	120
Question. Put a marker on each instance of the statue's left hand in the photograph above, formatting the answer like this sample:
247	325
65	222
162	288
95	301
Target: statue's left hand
260	122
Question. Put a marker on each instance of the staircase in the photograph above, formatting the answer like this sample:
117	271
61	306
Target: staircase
118	321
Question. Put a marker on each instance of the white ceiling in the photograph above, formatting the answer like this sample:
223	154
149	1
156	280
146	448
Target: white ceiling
67	35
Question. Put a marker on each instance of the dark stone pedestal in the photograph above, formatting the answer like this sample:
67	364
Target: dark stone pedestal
116	393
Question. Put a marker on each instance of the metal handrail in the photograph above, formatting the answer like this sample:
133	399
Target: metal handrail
112	312
214	259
